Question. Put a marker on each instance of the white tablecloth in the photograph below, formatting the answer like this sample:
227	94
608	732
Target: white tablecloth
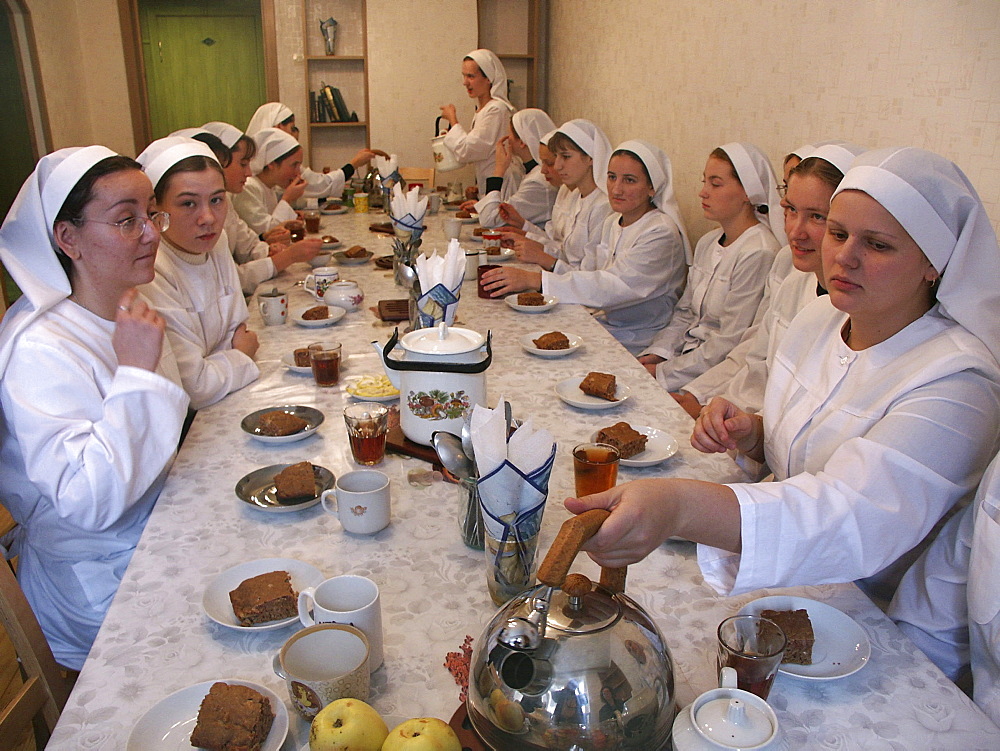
157	638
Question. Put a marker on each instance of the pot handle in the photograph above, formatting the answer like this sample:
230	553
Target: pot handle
574	532
445	367
437	126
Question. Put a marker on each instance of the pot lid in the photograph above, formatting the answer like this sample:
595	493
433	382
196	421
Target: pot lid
593	612
442	340
734	723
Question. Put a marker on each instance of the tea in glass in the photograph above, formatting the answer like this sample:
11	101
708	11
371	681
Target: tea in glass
595	468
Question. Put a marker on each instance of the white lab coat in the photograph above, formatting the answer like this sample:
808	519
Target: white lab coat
321	184
478	145
85	445
253	264
949	601
724	289
259	206
869	450
203	305
745	388
633	276
576	225
533	198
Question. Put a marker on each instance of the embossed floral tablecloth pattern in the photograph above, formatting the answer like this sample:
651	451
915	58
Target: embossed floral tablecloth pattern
157	638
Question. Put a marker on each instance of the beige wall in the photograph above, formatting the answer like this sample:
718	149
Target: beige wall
83	72
690	75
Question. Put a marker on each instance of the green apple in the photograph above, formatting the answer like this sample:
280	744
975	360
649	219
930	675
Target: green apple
347	725
422	734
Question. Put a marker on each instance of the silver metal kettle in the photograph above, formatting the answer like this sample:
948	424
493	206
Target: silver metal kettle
572	665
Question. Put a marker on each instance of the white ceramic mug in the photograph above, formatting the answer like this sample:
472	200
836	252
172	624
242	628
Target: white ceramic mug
319	281
324	663
433	203
362	501
350	599
452	228
273	307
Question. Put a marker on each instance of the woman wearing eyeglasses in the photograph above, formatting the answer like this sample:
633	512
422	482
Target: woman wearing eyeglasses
197	287
91	398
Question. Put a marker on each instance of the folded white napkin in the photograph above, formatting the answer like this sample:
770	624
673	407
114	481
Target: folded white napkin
447	269
386	166
408	209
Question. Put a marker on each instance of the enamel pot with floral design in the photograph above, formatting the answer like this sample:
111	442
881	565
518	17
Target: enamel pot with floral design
440	375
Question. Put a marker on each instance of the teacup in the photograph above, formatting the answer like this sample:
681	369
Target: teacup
273	307
323	663
319	281
349	599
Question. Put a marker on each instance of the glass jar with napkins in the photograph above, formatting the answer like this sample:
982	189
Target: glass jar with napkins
407	209
440	278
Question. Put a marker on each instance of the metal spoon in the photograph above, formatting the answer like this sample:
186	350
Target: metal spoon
449	450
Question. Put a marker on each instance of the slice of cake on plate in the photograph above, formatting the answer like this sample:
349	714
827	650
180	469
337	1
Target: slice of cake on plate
798	632
295	481
552	340
601	385
232	718
623	437
264	598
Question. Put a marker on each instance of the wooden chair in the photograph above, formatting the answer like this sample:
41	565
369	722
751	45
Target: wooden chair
424	175
45	690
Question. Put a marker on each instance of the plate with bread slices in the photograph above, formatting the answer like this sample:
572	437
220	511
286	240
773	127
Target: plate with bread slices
823	643
332	208
531	302
639	445
284	487
353	256
593	391
169	723
317	316
284	424
550	343
257	590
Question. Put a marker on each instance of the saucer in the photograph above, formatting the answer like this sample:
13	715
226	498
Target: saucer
660	447
569	392
334	314
313	417
841	648
216	600
528	345
511	300
331	212
288	360
257	489
345	260
167	725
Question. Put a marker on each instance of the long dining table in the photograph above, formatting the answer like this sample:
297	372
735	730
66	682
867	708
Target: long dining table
158	639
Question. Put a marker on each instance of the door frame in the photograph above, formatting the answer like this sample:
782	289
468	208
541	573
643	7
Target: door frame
31	87
135	67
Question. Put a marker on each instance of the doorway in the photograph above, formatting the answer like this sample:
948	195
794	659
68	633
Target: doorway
202	61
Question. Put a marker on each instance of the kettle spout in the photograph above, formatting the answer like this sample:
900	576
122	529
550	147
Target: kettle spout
391	374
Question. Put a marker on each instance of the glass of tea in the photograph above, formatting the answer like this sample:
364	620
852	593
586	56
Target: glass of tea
595	468
312	222
296	229
367	425
324	357
754	647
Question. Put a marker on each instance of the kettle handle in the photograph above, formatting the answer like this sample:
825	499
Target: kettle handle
445	367
437	126
574	532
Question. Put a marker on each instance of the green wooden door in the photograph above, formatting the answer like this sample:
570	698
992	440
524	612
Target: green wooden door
203	62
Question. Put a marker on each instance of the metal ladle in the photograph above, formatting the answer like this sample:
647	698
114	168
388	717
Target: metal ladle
449	450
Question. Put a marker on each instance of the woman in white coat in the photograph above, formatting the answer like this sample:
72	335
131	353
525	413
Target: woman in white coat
196	287
731	264
92	402
581	153
485	80
256	260
634	275
741	377
317	184
882	405
277	164
531	200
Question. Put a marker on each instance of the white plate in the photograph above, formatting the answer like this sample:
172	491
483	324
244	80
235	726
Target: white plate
474	219
331	212
345	260
476	238
333	246
333	316
313	417
350	386
257	490
321	259
569	392
660	447
168	724
528	344
505	254
288	360
511	300
216	600
841	646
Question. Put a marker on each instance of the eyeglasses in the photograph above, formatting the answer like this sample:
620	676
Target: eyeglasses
133	227
782	189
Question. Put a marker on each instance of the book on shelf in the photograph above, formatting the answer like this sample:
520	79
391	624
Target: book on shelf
335	102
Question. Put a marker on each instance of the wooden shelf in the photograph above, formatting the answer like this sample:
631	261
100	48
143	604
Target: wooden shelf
519	25
335	58
361	124
504	56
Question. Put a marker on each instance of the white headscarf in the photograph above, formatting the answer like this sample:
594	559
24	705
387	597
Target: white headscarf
228	134
27	244
494	71
936	204
840	155
531	126
594	144
164	153
761	186
658	166
271	144
269	115
801	151
187	132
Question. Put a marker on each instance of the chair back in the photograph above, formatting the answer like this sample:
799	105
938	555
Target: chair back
424	175
45	690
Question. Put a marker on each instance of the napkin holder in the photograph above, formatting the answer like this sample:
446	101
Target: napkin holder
436	305
408	227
